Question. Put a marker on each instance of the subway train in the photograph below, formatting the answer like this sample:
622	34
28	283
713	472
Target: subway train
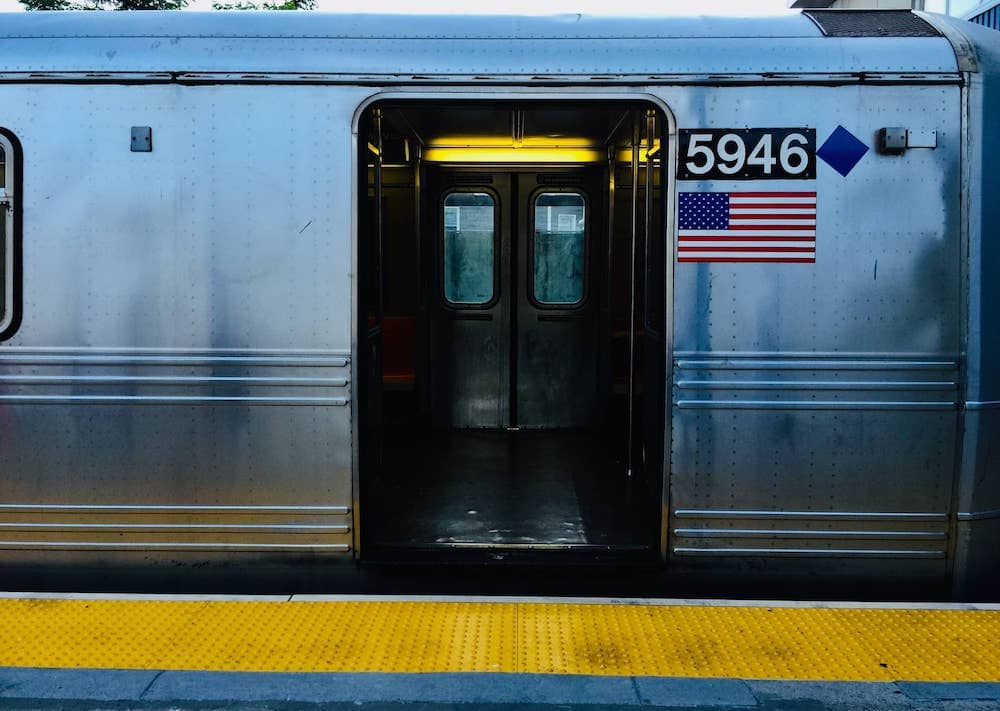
703	294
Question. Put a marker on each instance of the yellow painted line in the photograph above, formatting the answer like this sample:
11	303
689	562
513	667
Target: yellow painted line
530	637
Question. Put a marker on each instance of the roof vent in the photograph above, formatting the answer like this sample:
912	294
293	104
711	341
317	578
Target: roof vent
870	23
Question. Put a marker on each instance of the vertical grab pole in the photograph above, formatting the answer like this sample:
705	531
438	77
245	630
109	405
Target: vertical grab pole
379	219
647	233
630	394
375	335
647	221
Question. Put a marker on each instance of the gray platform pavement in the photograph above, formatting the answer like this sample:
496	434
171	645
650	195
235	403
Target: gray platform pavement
86	690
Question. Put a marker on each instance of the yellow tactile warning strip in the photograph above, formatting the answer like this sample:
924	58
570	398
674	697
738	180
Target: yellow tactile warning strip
530	637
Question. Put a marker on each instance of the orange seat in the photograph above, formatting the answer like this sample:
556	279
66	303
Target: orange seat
398	348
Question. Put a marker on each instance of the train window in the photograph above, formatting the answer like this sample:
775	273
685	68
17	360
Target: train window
6	234
558	247
469	247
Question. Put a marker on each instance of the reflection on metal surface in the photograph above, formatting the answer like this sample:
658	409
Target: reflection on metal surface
174	546
814	404
820	533
167	357
781	361
810	552
183	450
172	527
171	509
167	380
803	533
987	405
727	382
171	400
166	527
811	385
99	387
861	515
978	515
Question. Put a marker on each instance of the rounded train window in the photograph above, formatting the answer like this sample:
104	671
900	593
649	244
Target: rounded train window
7	207
469	239
558	259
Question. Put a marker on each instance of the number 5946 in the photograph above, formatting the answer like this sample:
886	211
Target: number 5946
747	154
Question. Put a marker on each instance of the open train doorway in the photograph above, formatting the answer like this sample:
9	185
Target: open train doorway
511	321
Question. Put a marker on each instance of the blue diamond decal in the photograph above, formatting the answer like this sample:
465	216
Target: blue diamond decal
842	150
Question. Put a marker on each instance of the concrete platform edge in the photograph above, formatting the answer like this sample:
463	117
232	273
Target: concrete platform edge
32	687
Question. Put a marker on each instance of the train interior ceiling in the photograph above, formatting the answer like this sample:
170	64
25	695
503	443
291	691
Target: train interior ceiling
510	330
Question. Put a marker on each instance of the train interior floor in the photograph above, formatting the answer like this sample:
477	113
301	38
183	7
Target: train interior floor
513	489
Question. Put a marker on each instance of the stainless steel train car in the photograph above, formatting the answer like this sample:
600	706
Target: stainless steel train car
719	295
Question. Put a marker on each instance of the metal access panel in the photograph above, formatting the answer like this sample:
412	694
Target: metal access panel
814	404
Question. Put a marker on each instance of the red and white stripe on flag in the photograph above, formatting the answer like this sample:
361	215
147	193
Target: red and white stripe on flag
747	227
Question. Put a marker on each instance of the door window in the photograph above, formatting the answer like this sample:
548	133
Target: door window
558	260
4	278
7	261
469	248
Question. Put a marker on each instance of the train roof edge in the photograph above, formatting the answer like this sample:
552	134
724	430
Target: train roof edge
817	42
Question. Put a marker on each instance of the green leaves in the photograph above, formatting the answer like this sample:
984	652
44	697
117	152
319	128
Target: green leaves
287	5
162	5
103	4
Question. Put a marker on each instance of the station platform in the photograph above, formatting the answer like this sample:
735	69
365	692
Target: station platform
189	651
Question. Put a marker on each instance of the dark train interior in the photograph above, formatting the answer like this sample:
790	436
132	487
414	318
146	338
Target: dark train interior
511	329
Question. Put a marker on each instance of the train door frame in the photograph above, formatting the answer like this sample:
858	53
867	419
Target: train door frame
554	96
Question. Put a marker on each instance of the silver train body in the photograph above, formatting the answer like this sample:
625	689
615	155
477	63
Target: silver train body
181	335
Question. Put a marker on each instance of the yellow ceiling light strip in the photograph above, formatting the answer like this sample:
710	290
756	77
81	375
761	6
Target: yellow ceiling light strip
502	149
474	141
508	154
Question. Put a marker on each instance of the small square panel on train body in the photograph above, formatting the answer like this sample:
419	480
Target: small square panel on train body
142	139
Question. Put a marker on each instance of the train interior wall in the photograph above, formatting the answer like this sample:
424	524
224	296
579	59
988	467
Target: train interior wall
511	307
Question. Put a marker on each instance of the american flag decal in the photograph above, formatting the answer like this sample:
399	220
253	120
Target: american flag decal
747	227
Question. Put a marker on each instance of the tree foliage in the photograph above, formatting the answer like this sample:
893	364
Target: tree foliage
103	4
287	5
164	5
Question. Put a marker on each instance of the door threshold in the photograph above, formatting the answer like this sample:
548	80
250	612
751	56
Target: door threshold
529	546
549	554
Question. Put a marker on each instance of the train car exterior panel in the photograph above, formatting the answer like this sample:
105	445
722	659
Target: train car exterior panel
186	400
787	377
